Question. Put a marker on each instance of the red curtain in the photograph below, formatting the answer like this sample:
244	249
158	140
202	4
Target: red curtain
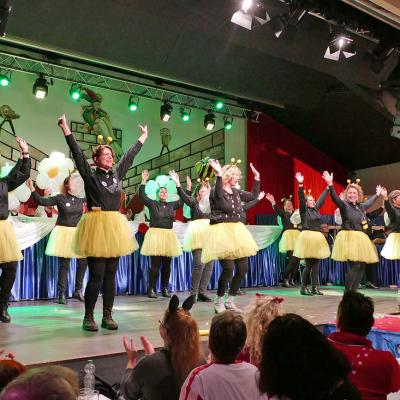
276	153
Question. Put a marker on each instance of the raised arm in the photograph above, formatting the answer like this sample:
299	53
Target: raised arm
126	160
388	206
142	193
321	199
184	198
369	203
302	198
80	160
188	200
20	173
218	191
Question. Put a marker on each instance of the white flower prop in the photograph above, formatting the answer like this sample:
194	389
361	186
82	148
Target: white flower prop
17	196
52	171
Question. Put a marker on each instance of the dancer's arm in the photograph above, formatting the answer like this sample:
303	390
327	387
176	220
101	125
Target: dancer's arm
302	198
20	173
142	193
43	201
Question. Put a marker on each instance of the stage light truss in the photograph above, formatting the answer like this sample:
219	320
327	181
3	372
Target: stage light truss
103	81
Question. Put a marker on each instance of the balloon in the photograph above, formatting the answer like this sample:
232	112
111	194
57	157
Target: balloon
295	219
43	181
151	189
13	203
22	193
5	170
44	166
171	187
162	180
386	219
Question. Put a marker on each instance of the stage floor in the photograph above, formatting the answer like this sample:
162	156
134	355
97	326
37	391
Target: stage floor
45	332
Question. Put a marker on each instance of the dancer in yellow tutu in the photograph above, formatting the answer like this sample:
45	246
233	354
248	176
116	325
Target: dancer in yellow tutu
311	244
70	210
194	235
227	239
10	252
160	241
391	249
290	234
352	243
103	234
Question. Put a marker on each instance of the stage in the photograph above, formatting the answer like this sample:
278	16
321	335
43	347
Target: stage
44	332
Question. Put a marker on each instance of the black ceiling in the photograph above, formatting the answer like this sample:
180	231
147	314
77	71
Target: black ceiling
193	42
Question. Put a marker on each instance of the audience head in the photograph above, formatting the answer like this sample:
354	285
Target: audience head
181	335
394	198
355	314
52	382
9	370
298	362
259	314
227	336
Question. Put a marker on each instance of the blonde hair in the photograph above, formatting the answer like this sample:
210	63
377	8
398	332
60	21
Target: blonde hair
393	194
259	314
229	171
356	187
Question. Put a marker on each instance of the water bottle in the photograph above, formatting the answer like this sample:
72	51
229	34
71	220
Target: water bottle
89	378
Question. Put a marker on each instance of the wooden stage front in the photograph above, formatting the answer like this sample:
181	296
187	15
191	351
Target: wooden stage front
45	332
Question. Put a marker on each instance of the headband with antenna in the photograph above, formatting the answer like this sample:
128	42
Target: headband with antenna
357	182
285	199
100	140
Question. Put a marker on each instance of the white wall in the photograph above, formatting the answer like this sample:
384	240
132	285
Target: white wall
39	117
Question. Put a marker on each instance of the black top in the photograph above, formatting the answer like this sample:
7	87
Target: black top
70	208
194	205
310	217
103	188
227	207
285	218
394	216
152	379
161	212
246	207
17	176
352	214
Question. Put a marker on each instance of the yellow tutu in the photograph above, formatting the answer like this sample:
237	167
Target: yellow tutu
311	244
194	234
9	247
60	242
103	234
354	246
391	249
227	241
288	240
161	242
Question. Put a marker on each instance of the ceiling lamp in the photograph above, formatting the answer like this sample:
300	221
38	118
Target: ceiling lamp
252	12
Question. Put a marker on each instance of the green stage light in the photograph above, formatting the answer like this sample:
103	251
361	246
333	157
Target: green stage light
75	92
4	80
219	105
133	104
185	114
228	123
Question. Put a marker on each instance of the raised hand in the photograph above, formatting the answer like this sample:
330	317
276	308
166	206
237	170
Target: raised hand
328	178
175	177
130	348
261	196
23	146
188	183
215	165
62	123
255	172
145	176
299	177
147	346
270	197
379	190
384	193
29	183
144	133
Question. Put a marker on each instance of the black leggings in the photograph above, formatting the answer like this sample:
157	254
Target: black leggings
228	266
354	275
102	272
63	274
156	262
292	265
7	279
312	265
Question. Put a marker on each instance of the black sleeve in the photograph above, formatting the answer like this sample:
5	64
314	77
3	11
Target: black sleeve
321	199
279	211
249	196
19	174
250	204
81	164
126	160
46	201
368	203
390	211
336	199
131	385
302	200
218	189
375	213
176	204
143	196
187	199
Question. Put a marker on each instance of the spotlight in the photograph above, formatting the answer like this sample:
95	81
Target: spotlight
165	112
278	25
219	105
40	87
75	92
228	123
250	11
5	79
340	44
209	121
133	103
185	114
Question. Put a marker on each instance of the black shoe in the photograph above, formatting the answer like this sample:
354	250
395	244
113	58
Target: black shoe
78	295
61	298
107	322
316	291
165	293
152	294
89	323
285	283
370	285
305	292
204	298
4	315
